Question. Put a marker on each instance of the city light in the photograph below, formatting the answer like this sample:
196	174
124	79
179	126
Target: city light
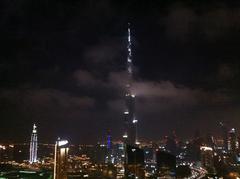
206	148
62	143
135	121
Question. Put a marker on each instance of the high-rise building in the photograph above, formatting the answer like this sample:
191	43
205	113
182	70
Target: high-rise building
171	144
133	155
33	146
130	123
166	164
6	153
224	135
100	153
207	157
119	153
134	167
232	141
61	159
109	156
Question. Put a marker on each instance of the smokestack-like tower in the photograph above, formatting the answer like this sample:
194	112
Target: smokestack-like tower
130	122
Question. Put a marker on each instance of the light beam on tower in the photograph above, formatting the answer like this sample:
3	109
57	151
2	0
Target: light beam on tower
129	58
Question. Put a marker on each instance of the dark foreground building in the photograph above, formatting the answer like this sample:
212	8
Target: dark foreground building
166	164
134	166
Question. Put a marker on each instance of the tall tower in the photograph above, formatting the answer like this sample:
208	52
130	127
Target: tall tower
33	146
130	122
224	135
109	154
233	144
60	159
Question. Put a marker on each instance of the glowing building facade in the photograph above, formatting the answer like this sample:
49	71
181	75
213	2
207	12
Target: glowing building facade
207	157
33	146
130	122
61	159
233	144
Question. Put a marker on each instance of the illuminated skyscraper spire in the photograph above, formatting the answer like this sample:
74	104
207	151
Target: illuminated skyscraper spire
130	131
129	58
33	146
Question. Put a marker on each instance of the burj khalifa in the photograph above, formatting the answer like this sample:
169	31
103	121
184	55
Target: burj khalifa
130	121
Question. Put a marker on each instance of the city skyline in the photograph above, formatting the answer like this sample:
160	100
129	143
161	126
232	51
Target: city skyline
65	69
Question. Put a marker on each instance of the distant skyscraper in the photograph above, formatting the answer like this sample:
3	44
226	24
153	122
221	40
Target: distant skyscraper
207	156
100	153
130	123
171	143
60	159
166	163
109	140
33	145
134	166
109	155
224	135
232	141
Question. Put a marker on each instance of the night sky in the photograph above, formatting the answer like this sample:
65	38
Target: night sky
62	66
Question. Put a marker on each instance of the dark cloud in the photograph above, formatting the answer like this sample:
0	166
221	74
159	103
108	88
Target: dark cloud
85	78
107	51
227	72
180	22
185	23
